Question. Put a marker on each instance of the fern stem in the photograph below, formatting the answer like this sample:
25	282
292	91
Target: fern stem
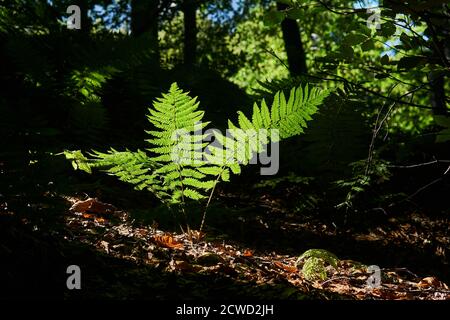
209	199
183	203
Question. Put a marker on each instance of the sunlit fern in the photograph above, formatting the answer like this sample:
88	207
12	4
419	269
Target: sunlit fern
204	164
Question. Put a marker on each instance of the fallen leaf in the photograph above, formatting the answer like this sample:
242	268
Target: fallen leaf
286	268
100	220
104	245
92	205
248	253
429	282
167	241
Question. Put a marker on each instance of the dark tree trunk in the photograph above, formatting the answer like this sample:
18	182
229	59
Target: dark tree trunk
190	32
438	94
437	82
293	44
144	22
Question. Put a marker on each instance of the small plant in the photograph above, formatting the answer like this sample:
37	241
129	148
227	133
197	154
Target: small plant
179	165
364	176
314	266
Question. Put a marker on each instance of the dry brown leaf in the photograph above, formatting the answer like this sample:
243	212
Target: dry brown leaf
100	220
167	241
92	205
141	232
286	268
388	294
248	253
104	245
429	282
88	216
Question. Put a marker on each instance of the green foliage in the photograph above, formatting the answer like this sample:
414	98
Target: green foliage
269	87
181	168
338	136
364	176
287	116
255	43
315	260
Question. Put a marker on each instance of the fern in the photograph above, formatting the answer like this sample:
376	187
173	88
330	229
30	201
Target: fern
181	165
285	118
187	176
269	87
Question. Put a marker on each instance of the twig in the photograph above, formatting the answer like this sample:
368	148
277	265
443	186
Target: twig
336	278
273	54
447	171
418	191
396	100
400	269
420	164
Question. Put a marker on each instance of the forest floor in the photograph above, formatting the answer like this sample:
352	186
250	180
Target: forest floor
253	256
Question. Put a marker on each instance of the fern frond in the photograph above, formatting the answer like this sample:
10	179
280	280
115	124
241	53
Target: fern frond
131	167
286	117
180	167
178	145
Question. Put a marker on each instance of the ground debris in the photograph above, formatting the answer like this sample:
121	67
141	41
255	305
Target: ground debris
191	253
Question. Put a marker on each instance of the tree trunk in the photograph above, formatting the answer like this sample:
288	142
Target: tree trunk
438	94
144	22
190	32
293	44
437	82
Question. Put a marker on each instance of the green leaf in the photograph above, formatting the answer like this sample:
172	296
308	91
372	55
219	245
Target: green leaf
354	39
295	13
410	62
273	17
387	29
384	59
346	52
404	38
367	45
225	176
192	194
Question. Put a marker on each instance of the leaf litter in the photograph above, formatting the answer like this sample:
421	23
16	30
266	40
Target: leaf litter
109	230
